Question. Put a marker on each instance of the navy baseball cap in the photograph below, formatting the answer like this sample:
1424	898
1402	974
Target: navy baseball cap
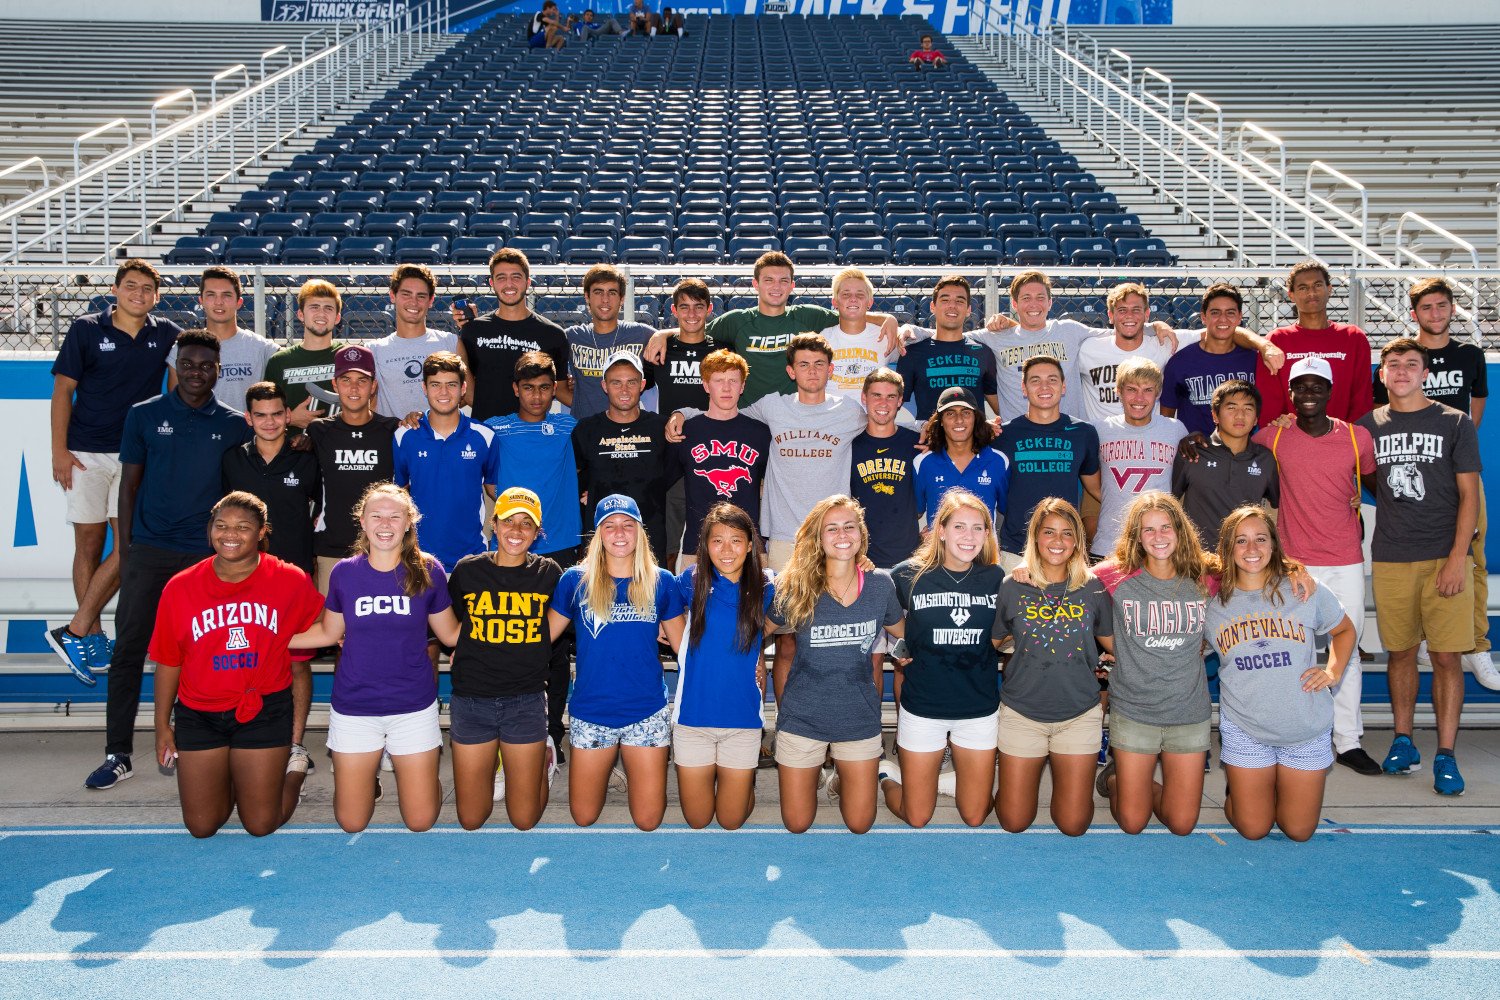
616	503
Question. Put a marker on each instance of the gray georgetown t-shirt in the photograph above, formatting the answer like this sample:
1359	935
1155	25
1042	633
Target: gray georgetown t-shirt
1051	676
1418	457
398	370
1264	648
242	363
830	694
1158	678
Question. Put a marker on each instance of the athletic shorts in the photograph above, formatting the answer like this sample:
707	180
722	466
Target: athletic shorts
95	496
518	718
1238	748
919	734
1024	737
272	727
703	746
410	732
653	731
778	554
1137	737
676	519
799	751
324	567
1409	609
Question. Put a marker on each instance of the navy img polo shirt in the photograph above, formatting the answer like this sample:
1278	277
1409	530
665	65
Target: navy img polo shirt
183	450
446	477
114	371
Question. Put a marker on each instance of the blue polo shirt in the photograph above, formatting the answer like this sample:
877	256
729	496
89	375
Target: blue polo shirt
539	457
114	371
987	476
446	477
182	448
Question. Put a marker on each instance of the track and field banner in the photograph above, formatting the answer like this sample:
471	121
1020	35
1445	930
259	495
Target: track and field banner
332	10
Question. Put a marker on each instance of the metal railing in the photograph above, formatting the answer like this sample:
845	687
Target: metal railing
190	156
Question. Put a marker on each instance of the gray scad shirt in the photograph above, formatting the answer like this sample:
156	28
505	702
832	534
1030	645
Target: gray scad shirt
1158	678
1132	460
589	350
830	693
242	363
1051	677
1265	646
398	370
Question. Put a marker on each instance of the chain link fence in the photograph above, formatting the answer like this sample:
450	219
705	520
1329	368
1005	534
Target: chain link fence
37	304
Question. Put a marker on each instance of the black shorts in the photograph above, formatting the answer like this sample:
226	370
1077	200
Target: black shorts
211	730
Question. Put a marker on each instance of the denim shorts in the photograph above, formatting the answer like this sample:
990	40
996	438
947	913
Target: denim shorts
653	731
518	718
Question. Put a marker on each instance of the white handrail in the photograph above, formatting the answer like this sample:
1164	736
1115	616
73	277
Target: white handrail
1405	252
16	168
1362	221
94	133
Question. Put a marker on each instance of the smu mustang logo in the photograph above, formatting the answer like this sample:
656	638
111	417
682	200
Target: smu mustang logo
725	481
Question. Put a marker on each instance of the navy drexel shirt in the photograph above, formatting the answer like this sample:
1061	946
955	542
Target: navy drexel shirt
182	448
114	371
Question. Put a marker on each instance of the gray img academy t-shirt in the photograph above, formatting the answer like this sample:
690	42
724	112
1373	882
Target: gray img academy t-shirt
398	370
1264	648
1418	457
830	694
242	363
1051	677
1158	678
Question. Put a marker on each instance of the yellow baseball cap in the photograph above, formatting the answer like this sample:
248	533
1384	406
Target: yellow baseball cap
519	500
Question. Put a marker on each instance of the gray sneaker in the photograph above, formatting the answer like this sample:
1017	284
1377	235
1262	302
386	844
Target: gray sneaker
299	762
1101	781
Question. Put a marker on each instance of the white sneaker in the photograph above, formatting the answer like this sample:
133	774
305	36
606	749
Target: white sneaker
948	783
617	780
499	779
551	761
831	787
1482	666
889	770
1423	660
385	761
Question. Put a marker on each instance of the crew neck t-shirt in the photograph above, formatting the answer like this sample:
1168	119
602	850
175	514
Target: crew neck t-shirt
114	371
679	383
1264	647
1316	522
493	346
954	671
930	366
350	459
307	375
539	456
882	477
1420	455
504	643
762	341
1456	375
855	355
398	370
231	639
629	459
1060	338
589	351
1045	461
618	678
830	693
1098	365
716	679
810	455
719	461
1051	676
1158	678
384	669
1132	460
1191	376
1347	351
242	363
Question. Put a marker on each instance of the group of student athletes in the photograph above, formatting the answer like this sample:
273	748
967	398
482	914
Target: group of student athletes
816	478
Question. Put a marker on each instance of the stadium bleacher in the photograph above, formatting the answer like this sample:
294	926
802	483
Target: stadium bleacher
812	136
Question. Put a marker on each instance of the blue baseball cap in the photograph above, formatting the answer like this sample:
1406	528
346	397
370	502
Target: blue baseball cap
616	503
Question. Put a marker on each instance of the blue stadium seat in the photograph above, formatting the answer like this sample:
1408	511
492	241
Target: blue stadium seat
1019	245
365	250
926	252
253	250
310	202
698	250
747	249
636	249
588	250
283	224
197	251
810	249
421	250
1087	252
396	225
309	250
865	251
474	250
538	249
231	224
449	225
334	224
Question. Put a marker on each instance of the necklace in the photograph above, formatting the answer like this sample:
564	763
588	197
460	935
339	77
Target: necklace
958	581
845	592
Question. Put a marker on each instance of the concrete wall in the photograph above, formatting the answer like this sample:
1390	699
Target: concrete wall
141	10
1336	12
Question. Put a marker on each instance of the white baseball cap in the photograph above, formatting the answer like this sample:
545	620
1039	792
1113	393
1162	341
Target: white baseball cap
1311	366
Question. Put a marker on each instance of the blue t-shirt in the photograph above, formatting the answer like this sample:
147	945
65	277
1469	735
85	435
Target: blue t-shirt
882	477
447	477
618	680
384	669
114	371
1045	461
930	366
182	449
987	476
539	457
716	679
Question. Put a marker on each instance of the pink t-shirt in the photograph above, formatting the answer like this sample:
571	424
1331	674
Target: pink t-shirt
927	55
1347	351
1317	524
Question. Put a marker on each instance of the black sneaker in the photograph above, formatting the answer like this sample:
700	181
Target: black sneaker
1359	762
115	769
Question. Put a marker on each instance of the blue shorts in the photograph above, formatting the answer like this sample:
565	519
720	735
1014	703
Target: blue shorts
519	718
653	731
1238	748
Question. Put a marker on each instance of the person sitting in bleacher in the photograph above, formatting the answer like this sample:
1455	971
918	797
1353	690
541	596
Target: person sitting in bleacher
927	57
589	28
546	28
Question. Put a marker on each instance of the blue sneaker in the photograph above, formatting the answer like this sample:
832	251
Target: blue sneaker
101	649
1403	757
74	651
1445	777
1103	749
115	769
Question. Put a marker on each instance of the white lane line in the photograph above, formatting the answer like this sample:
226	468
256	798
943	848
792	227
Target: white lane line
676	954
1212	831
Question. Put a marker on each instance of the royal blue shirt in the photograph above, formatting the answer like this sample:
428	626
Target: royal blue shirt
1045	461
882	477
716	685
114	371
447	477
987	476
182	448
539	457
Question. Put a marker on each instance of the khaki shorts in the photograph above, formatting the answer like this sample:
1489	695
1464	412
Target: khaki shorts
1408	608
1089	507
799	751
1023	737
703	746
95	496
1009	561
778	554
1139	737
325	570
